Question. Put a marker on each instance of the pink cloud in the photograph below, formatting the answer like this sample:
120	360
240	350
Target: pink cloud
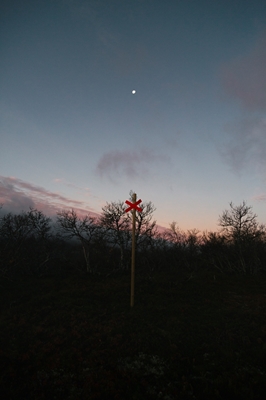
260	197
17	195
129	163
244	78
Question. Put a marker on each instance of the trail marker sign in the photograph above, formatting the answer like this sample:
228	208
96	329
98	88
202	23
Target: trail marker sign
133	205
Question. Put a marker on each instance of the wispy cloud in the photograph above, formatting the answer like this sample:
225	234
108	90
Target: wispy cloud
260	197
244	78
17	195
246	145
132	164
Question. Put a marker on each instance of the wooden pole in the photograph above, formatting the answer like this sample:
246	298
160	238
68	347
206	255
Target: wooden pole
134	199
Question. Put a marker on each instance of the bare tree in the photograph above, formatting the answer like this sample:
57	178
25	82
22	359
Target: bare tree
21	226
245	238
145	226
14	230
24	238
117	223
15	227
84	229
40	224
240	223
175	236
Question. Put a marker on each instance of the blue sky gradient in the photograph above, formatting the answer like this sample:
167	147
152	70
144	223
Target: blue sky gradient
192	138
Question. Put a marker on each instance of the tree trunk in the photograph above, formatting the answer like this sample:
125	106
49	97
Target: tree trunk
87	259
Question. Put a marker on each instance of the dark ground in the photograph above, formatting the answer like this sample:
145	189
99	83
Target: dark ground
78	338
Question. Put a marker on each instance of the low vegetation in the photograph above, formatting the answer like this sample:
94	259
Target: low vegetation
197	329
188	336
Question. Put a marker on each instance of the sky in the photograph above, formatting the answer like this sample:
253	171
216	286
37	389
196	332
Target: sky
191	139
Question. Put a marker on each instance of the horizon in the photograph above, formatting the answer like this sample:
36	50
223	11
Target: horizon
51	210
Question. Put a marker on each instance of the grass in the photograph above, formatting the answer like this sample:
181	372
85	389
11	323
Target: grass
78	338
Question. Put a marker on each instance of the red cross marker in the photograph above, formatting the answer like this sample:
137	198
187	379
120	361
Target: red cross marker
133	205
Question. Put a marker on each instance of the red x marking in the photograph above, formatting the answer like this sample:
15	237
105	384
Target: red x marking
133	205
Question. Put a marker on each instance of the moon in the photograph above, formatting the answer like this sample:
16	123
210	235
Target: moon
133	91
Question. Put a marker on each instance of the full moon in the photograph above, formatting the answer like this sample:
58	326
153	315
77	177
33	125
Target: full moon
133	91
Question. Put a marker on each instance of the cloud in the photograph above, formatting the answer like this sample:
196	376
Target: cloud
246	146
244	78
132	164
260	197
17	195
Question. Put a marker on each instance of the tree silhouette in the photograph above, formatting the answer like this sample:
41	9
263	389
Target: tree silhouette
240	223
118	223
84	229
245	238
24	239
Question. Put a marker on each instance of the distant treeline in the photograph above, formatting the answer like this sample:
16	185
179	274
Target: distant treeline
33	244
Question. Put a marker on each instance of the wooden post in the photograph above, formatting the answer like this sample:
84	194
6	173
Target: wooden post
134	199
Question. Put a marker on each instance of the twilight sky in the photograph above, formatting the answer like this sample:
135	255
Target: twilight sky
191	139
